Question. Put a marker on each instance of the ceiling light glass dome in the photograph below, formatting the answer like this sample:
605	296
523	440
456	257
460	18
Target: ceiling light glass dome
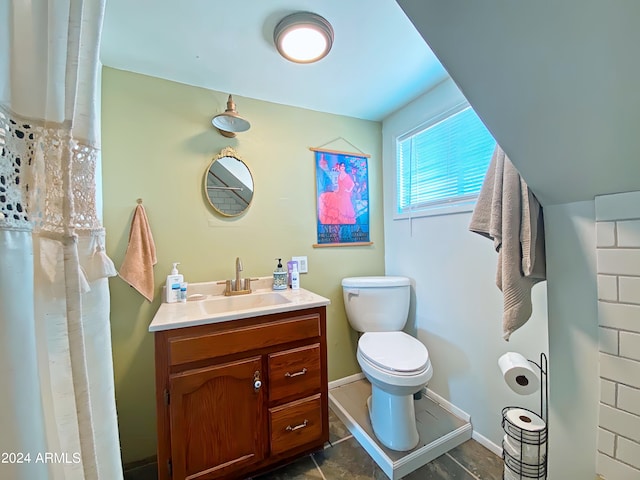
303	37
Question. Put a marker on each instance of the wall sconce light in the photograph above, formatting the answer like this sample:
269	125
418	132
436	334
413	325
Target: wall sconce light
303	37
229	122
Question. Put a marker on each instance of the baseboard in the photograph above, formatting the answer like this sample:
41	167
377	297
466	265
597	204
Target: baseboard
139	463
485	442
447	405
343	381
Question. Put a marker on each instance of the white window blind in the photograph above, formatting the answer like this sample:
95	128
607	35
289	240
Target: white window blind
443	164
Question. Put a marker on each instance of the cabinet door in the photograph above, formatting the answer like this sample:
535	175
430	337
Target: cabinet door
217	423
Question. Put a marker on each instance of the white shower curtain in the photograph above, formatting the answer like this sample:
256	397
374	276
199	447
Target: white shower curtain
57	402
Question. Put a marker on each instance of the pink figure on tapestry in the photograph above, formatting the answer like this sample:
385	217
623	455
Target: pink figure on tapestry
336	207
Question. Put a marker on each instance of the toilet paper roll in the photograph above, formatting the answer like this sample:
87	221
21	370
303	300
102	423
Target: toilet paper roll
510	474
518	373
525	452
525	426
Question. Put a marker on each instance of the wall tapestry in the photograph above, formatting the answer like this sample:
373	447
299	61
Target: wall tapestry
342	198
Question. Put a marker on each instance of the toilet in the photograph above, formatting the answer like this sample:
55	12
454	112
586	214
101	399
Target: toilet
396	364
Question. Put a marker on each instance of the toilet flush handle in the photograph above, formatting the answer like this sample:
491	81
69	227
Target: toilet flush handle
353	293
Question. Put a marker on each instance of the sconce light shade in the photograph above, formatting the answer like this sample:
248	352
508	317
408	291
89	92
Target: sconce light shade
229	122
303	37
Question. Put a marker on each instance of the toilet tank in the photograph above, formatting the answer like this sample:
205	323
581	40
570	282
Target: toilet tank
376	304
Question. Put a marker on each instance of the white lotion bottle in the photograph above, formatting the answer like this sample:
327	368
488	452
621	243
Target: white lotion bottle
295	277
172	287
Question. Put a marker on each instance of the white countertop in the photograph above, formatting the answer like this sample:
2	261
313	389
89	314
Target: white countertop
196	311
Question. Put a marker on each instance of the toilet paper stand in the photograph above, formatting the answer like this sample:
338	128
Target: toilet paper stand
544	393
524	450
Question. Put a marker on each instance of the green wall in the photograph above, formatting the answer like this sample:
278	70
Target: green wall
157	142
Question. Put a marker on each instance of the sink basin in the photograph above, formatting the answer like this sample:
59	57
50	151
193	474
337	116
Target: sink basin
242	302
206	304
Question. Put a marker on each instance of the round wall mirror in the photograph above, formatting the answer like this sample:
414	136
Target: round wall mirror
228	184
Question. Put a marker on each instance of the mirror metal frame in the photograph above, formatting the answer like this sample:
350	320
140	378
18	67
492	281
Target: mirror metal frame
224	153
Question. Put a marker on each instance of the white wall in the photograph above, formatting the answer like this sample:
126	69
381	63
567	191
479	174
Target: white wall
618	253
456	310
456	307
573	340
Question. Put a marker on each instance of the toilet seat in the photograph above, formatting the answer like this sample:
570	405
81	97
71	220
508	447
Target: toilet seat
392	381
394	352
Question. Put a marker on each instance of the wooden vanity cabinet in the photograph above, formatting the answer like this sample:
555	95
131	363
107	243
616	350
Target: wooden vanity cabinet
241	397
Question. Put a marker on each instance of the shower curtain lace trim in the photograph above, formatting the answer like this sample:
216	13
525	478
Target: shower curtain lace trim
35	159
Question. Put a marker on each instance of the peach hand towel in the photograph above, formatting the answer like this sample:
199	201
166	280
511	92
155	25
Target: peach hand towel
137	268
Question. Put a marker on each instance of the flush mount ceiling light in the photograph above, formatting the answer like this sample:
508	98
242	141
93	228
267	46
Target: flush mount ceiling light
303	37
229	122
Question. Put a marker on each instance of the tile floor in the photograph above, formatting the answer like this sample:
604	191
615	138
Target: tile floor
344	458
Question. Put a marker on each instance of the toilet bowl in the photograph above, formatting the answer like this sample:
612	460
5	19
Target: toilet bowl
396	364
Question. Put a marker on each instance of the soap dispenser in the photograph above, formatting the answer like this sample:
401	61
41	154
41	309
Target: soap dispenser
280	277
172	287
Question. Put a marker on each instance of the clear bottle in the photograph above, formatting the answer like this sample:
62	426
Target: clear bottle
295	277
182	297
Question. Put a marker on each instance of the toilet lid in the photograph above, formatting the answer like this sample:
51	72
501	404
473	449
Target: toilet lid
395	351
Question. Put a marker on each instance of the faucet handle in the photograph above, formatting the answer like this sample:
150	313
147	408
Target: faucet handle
227	284
247	283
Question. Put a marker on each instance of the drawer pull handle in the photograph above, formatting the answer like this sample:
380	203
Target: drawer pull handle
291	375
302	425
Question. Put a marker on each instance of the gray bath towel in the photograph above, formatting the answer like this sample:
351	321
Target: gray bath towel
508	213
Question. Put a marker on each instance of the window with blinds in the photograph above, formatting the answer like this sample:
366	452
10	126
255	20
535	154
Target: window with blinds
444	163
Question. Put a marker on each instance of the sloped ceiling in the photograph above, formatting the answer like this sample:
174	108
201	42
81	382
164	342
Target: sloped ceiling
556	82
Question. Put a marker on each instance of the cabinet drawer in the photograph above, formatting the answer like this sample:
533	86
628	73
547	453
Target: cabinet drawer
186	348
294	372
295	424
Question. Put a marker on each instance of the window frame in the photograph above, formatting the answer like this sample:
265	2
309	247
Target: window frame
460	205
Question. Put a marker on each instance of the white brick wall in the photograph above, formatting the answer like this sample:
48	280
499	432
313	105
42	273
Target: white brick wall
618	254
